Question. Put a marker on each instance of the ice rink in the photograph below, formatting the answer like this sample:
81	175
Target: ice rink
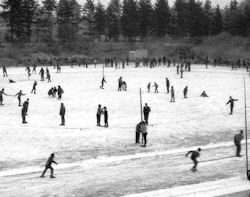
173	129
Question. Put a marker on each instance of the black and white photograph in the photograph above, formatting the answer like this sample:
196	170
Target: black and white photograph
125	98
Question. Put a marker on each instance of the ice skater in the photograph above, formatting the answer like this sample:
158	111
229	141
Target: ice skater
1	96
98	115
5	72
144	133
156	87
103	81
120	84
146	111
26	106
231	101
59	92
28	71
194	156
148	87
167	85
185	91
62	114
24	114
41	73
237	141
172	94
48	166
34	87
204	94
105	112
19	95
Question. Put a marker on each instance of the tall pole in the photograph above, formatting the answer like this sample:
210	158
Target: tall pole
141	104
103	70
245	98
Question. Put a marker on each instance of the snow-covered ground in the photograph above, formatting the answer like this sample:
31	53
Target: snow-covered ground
186	123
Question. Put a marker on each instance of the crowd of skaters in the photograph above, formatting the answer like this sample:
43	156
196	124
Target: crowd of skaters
181	66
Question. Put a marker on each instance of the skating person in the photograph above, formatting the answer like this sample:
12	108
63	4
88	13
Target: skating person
138	133
237	141
34	87
23	114
177	69
48	166
19	95
48	75
148	87
41	73
231	101
103	81
98	115
194	156
156	87
54	92
5	72
172	94
26	106
146	111
144	133
62	114
124	86
185	91
167	85
59	92
49	78
105	112
28	71
181	71
204	94
120	84
1	96
34	68
50	92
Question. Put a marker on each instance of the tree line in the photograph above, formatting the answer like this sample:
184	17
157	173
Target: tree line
129	19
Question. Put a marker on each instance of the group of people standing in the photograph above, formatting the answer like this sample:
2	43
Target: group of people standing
102	111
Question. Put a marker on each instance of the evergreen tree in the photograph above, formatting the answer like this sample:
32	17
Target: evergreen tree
49	5
100	19
89	14
247	18
68	17
145	15
162	17
182	12
129	19
216	25
207	17
113	19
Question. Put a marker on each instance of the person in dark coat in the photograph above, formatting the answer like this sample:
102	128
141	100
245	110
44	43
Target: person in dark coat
138	133
231	101
120	84
103	81
23	114
34	88
148	87
167	85
98	115
41	73
156	87
204	94
5	72
185	91
62	114
19	95
105	112
146	111
1	96
194	156
237	141
144	133
26	106
59	92
172	94
48	166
